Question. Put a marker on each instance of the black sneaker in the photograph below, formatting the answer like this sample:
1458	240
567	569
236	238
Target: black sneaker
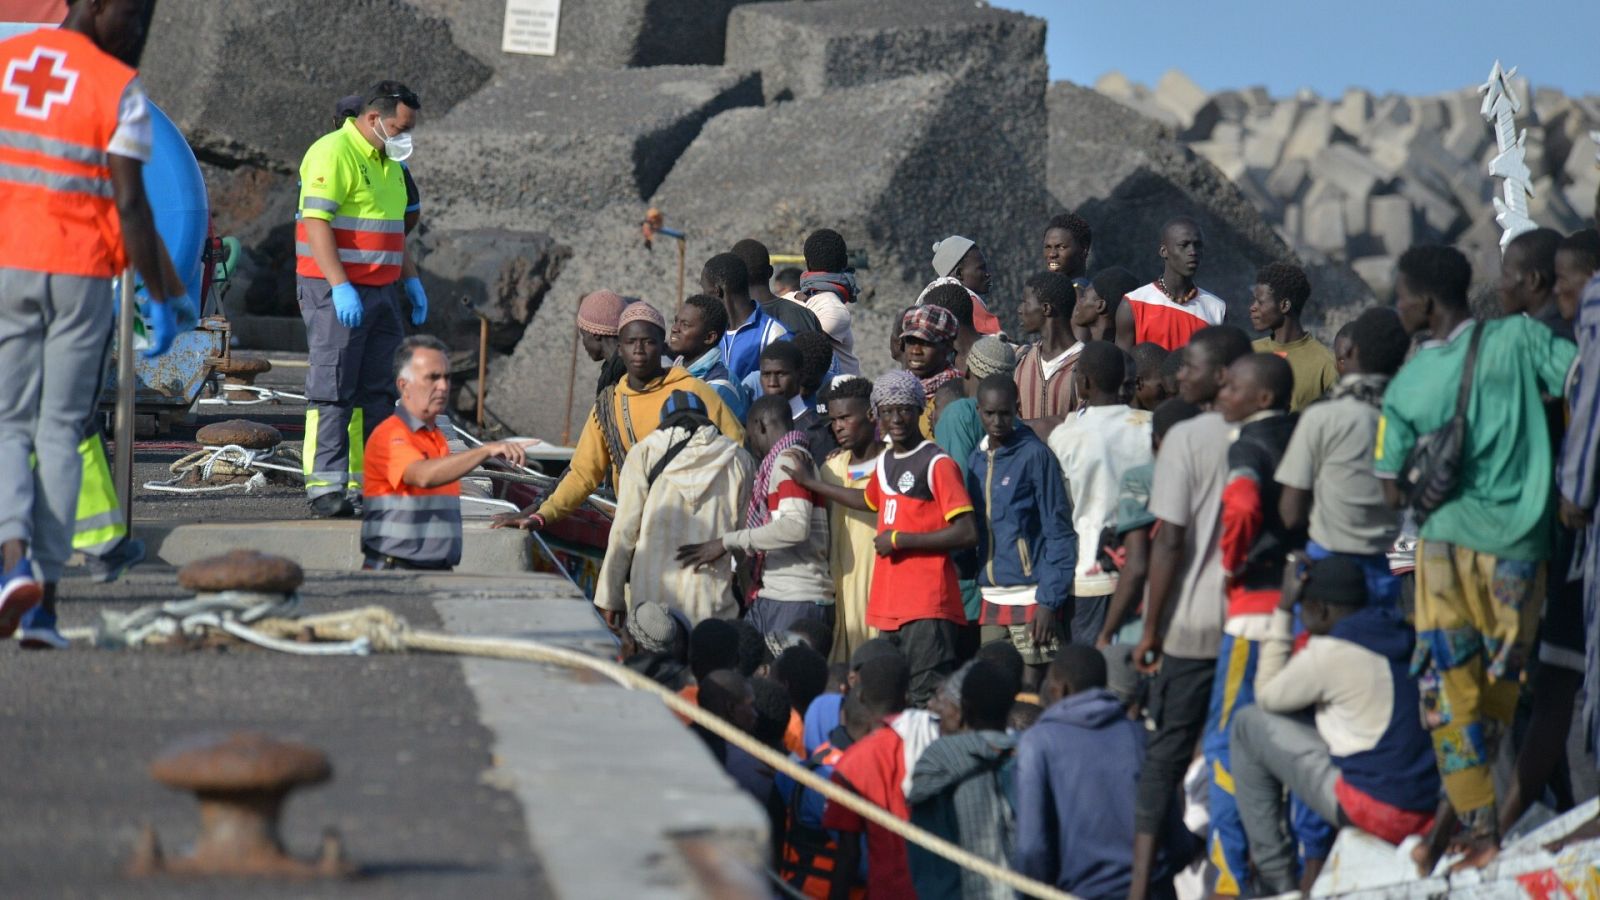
356	504
332	506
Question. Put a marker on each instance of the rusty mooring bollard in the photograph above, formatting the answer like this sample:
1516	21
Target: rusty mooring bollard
241	781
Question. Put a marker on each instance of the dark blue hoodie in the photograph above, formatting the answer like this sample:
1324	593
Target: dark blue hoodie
1400	769
1025	534
1077	773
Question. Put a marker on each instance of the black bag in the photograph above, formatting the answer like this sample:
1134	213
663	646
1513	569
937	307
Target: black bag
1433	466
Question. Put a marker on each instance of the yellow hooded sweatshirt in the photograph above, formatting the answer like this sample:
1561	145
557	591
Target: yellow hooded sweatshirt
637	414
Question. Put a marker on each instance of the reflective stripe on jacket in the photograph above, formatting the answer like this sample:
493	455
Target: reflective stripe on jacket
361	194
58	112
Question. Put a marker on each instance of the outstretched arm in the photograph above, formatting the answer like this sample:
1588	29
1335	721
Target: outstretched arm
853	498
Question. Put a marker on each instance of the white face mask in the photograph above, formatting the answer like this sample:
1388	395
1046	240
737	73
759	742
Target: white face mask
397	148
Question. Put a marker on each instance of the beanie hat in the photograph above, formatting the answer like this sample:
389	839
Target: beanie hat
948	252
598	313
684	409
653	627
1338	580
641	312
899	387
990	355
681	402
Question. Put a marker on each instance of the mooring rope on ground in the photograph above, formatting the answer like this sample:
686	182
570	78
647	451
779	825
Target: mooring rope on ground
231	461
377	629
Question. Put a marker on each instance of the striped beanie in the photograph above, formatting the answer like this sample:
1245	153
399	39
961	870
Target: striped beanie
598	313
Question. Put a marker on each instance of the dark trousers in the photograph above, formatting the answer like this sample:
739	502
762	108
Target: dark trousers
1088	617
930	646
1180	700
350	370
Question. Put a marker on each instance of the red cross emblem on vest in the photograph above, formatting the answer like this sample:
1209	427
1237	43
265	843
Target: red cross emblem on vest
39	82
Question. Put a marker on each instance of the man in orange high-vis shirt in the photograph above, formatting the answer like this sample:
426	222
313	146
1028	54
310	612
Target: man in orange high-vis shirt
350	268
412	518
74	135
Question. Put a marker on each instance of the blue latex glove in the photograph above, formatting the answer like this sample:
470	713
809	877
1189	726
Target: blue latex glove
163	321
347	304
419	300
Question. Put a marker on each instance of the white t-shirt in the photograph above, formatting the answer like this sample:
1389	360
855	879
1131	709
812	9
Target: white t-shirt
834	316
134	134
1051	366
1095	446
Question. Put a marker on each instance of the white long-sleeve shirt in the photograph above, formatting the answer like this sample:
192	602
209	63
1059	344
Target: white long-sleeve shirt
795	538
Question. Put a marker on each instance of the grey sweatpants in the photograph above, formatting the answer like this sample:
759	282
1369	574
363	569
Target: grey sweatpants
55	331
350	369
1271	753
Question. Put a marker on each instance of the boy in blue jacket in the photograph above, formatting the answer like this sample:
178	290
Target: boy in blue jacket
1027	549
1077	771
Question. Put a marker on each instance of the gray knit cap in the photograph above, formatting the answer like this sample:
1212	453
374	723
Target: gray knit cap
653	627
898	387
990	355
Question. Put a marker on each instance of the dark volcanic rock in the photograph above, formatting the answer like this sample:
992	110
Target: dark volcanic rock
805	49
499	273
256	82
611	33
535	149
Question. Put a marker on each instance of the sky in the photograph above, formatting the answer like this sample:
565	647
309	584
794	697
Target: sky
1326	46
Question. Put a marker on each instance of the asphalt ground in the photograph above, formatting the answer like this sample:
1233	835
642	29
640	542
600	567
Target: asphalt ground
278	500
411	793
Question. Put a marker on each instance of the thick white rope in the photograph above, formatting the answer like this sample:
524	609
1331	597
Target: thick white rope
375	628
231	460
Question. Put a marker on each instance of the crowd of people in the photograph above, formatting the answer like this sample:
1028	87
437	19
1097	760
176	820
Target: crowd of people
1141	607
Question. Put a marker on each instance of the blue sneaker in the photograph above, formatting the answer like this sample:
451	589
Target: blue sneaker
20	591
38	631
128	552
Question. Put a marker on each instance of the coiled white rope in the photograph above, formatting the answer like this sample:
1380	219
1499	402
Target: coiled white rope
229	460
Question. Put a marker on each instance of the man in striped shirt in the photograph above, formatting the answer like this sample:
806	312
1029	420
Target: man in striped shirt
1171	308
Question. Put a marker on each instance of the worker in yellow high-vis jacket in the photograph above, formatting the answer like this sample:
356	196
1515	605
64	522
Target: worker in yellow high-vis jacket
351	274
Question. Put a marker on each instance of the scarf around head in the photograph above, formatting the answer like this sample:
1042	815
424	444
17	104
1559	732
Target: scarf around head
759	512
1366	388
841	283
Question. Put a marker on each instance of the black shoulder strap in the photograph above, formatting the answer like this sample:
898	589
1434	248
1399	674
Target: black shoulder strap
666	458
1465	390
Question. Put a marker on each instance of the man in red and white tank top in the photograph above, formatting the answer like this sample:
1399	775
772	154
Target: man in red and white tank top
1171	308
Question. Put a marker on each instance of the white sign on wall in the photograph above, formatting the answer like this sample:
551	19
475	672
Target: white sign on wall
531	27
